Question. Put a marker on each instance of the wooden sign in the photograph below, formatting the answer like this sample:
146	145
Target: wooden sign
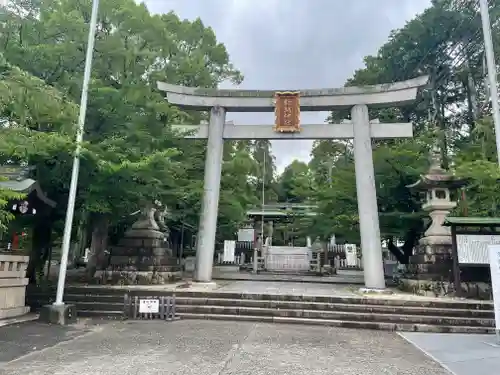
287	112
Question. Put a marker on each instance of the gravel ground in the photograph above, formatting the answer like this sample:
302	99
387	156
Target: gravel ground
205	347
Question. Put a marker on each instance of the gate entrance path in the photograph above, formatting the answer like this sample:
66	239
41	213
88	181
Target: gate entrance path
287	106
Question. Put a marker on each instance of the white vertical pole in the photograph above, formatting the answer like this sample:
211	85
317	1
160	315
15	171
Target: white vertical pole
70	210
263	199
371	245
205	246
492	71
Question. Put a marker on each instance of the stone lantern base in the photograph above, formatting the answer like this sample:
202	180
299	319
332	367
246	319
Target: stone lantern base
430	273
430	270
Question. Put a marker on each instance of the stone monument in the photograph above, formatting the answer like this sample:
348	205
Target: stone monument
143	255
430	268
317	254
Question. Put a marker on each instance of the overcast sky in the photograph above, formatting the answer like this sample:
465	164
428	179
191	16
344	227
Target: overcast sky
296	44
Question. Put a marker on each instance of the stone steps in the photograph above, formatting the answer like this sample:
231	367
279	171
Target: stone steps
344	323
387	313
341	307
116	303
401	317
116	294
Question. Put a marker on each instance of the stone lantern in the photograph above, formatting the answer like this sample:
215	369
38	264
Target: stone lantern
430	266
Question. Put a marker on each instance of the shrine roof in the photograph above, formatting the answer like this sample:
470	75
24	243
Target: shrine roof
278	213
283	210
472	221
18	181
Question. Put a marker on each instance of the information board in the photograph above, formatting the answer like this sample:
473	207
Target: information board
246	235
151	306
229	248
351	255
473	248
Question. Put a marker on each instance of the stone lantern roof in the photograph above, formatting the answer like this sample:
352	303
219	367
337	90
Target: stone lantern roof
437	177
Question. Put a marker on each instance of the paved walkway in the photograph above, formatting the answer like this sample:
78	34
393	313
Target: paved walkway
343	277
288	288
206	348
461	354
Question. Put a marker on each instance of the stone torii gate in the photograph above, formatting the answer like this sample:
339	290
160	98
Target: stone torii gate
287	106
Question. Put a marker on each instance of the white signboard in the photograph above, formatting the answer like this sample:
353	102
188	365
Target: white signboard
494	258
284	258
246	235
351	255
229	247
473	248
86	255
149	306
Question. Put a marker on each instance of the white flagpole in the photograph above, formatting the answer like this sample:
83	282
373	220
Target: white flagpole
491	67
70	210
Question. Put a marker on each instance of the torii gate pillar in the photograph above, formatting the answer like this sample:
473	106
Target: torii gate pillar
205	244
371	245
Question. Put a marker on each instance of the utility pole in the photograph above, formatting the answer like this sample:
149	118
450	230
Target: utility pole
492	71
330	169
70	210
492	77
263	198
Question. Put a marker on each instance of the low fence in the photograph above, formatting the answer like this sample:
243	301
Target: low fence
335	255
344	265
149	307
243	254
339	252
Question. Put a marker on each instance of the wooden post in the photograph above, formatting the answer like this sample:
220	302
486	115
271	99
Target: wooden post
456	266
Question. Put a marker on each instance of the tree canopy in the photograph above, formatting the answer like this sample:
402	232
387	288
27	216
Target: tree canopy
131	155
453	113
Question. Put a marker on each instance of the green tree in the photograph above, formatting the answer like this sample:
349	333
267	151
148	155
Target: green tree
295	185
444	42
130	154
34	120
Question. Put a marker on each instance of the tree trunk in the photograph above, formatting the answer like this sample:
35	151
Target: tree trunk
98	245
404	253
40	248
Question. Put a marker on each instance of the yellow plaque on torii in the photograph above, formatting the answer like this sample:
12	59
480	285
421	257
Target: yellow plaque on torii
287	112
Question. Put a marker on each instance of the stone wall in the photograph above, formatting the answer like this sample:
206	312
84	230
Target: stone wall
13	283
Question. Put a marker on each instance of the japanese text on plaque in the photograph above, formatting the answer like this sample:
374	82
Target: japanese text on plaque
287	112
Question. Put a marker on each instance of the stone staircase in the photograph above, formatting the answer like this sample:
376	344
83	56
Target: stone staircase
385	313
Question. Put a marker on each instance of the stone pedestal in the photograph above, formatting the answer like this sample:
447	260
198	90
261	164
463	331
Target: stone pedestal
143	256
430	271
13	285
189	264
58	314
226	268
